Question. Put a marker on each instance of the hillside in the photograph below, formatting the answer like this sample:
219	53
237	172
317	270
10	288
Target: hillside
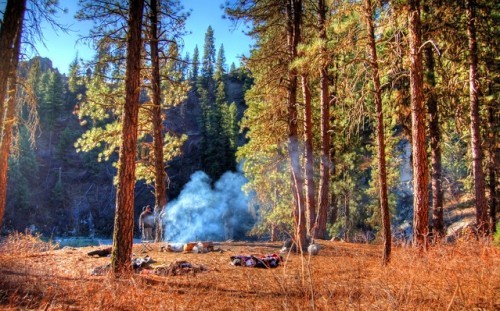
58	192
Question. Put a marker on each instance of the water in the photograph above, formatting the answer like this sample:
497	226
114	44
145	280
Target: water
86	241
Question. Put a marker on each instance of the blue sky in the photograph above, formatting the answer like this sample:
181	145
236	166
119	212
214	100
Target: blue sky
62	48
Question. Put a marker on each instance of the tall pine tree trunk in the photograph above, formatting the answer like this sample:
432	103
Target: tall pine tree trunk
493	158
324	165
294	12
475	122
12	23
160	175
435	144
309	157
419	152
9	120
334	198
347	214
382	170
124	214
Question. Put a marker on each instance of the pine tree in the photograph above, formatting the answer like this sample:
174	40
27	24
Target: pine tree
208	60
186	70
124	214
8	118
51	97
23	169
76	83
309	184
293	28
220	65
10	32
382	171
103	104
231	128
325	167
279	42
217	155
434	130
196	62
419	150
482	220
159	164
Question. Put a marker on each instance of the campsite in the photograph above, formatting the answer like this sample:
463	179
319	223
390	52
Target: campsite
249	155
343	276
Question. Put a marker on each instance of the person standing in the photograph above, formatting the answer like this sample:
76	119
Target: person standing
146	223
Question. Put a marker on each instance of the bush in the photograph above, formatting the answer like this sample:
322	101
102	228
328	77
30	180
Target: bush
22	243
496	235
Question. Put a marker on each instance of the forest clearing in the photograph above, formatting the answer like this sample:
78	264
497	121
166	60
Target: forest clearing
367	127
343	276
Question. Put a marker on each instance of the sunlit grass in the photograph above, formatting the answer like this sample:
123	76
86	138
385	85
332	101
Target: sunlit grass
344	276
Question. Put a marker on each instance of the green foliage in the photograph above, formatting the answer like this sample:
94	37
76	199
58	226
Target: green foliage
496	236
23	172
65	143
196	63
57	195
218	121
455	171
76	83
50	97
220	65
230	125
171	148
101	109
208	60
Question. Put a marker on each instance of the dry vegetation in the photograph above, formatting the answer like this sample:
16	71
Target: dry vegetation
465	276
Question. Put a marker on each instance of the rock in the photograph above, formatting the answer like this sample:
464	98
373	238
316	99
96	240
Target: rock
313	249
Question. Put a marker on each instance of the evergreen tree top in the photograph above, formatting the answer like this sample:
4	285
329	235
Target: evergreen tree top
208	61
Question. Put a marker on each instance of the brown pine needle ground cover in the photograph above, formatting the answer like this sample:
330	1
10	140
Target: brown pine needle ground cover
343	276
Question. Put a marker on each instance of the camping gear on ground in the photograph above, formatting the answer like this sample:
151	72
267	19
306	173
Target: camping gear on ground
257	261
189	246
142	262
173	247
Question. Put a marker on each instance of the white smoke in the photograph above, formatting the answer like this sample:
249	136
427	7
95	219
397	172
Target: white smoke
205	213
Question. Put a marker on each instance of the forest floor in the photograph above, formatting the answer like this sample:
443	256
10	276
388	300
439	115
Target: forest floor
343	276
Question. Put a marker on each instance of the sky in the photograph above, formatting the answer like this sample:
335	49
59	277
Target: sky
62	48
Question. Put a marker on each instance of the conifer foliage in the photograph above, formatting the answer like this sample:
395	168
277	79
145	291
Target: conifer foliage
362	71
219	130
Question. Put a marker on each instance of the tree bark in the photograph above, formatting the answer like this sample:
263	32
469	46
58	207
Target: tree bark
160	174
475	122
334	198
294	12
382	170
9	120
124	215
493	161
11	25
347	213
309	157
324	165
435	144
419	152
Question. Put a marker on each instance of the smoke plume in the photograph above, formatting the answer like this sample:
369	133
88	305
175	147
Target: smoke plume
203	212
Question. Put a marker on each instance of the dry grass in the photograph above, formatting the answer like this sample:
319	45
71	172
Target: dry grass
343	276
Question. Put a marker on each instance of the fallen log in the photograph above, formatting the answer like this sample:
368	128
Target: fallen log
101	252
